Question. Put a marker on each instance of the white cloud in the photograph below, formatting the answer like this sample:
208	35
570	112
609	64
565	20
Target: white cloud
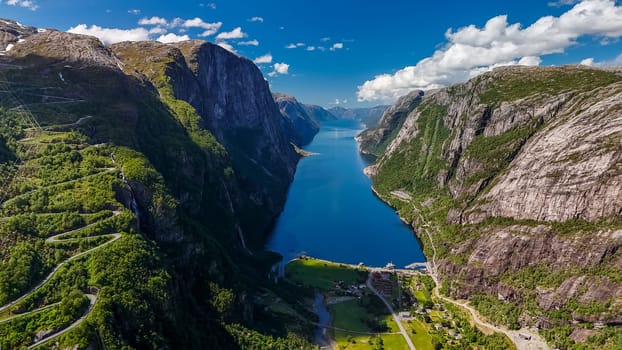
310	48
236	33
155	20
253	42
225	45
336	46
172	38
157	30
295	45
134	11
210	5
325	39
321	48
614	62
111	35
29	4
210	28
267	58
176	22
338	101
471	50
255	19
279	68
560	3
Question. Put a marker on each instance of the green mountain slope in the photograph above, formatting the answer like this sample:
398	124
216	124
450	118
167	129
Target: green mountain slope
129	213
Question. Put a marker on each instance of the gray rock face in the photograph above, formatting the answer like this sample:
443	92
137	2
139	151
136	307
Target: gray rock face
11	32
572	169
532	162
49	44
236	104
373	141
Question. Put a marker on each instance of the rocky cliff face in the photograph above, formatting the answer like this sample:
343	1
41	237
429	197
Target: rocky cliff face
246	121
374	140
520	171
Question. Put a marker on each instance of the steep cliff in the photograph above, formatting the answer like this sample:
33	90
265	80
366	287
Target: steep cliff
158	164
517	175
374	140
205	82
300	125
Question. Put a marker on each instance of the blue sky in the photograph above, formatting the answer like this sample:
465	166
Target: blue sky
377	47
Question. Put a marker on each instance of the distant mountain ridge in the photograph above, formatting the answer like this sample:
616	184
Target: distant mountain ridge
368	116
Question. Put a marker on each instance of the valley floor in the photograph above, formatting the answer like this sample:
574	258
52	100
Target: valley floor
377	308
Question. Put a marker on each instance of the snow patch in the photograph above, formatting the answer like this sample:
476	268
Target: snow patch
21	40
41	30
60	75
9	47
19	24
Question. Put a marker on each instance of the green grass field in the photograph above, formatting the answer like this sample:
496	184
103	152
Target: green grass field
349	315
421	338
321	274
422	296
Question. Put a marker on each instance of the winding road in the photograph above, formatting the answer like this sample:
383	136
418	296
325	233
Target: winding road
59	239
393	313
92	301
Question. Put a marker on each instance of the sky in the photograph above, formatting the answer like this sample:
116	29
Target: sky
355	53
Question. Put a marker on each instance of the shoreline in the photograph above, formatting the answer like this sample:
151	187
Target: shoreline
406	222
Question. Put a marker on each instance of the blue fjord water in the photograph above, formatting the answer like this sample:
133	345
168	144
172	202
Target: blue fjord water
331	212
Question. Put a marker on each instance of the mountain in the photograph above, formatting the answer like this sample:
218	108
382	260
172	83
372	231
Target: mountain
367	116
512	181
374	140
301	120
319	113
138	182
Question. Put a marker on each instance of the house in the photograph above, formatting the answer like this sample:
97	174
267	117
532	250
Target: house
404	316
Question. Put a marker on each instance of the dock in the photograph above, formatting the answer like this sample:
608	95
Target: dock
417	266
